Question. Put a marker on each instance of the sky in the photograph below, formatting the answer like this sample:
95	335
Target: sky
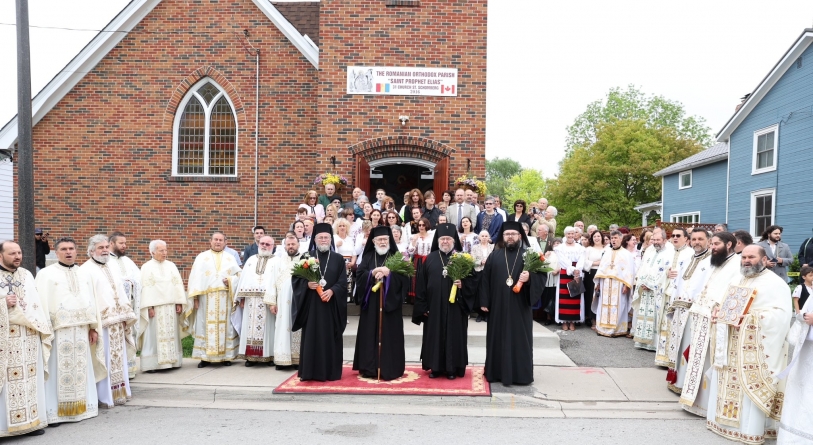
546	60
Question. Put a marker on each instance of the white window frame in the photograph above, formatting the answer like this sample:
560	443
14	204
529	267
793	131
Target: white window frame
680	180
675	216
754	195
193	92
775	129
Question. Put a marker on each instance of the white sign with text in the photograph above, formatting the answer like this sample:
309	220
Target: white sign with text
401	81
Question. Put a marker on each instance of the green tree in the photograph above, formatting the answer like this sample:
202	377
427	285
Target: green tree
528	185
499	172
633	104
601	182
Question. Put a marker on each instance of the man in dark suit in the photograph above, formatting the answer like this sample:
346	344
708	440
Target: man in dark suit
460	208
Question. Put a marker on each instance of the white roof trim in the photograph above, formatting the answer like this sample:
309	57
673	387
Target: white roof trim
767	83
107	39
649	206
309	50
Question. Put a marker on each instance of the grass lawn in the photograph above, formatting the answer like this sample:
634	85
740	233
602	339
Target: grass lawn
187	344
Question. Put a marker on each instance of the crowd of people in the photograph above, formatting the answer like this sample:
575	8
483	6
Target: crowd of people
77	328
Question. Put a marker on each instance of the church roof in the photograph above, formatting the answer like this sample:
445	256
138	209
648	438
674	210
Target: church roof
303	15
120	26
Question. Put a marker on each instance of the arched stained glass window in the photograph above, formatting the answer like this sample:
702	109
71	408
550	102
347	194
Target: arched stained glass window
205	133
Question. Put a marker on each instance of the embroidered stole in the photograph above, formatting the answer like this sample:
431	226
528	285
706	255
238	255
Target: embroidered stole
166	329
72	370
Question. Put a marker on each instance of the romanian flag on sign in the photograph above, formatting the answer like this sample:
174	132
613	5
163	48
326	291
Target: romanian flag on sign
382	88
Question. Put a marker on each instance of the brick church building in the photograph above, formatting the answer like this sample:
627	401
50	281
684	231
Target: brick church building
187	116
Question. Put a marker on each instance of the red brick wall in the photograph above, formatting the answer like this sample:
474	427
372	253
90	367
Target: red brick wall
437	33
103	155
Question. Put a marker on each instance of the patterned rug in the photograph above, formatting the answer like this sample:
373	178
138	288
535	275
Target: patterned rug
415	382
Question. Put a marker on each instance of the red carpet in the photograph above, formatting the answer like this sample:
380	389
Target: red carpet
415	382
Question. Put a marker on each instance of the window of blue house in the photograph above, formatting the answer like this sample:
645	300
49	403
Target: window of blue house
762	210
685	218
685	180
766	142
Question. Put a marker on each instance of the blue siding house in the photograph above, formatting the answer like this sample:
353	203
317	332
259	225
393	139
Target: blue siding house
764	179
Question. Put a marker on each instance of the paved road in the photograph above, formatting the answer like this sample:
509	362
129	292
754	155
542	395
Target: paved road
142	425
586	348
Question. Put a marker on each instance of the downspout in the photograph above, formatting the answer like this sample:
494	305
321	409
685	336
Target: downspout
257	135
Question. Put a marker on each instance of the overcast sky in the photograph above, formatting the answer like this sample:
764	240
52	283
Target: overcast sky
546	60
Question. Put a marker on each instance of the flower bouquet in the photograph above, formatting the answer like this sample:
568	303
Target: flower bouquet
534	263
308	268
330	178
397	264
473	184
460	266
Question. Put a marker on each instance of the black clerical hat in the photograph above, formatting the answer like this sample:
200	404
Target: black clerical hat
446	229
375	233
512	225
317	229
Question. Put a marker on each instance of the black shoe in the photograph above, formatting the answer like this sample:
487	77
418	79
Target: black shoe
270	363
433	375
479	318
451	377
203	364
296	367
226	363
248	364
280	367
54	425
39	432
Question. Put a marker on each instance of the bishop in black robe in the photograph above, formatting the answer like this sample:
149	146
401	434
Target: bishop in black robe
322	322
509	338
445	324
390	354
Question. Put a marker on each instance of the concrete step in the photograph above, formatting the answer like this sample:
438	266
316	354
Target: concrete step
546	343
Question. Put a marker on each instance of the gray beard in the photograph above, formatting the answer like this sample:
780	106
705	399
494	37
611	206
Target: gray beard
382	250
751	271
657	248
264	253
101	258
445	249
323	247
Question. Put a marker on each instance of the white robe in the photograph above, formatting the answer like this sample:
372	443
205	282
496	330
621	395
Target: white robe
118	319
674	286
25	339
215	337
796	426
131	277
257	321
280	294
614	273
160	336
746	393
694	395
648	304
74	366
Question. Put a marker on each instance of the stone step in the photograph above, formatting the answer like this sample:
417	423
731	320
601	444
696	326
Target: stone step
546	343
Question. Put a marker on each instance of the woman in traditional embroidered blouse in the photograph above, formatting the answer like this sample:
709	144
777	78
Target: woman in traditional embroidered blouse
312	205
420	244
402	242
480	252
552	283
346	248
592	258
465	232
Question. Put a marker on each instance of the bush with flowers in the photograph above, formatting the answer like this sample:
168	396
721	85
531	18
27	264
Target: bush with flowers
330	178
471	183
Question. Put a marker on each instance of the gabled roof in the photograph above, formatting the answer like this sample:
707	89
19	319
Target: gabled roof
716	153
303	15
787	60
109	37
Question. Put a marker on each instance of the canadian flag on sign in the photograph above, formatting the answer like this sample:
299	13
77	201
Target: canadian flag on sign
447	89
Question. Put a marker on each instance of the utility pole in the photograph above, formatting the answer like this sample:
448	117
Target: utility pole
25	149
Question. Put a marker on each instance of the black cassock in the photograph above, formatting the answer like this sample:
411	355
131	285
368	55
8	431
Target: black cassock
445	330
393	360
509	339
322	324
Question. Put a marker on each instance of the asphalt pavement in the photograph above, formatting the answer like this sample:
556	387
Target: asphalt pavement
141	425
586	348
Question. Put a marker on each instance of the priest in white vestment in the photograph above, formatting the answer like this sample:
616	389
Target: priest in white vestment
131	276
280	301
796	426
163	301
77	359
648	301
118	319
725	265
257	321
614	278
746	392
681	258
694	278
25	343
208	316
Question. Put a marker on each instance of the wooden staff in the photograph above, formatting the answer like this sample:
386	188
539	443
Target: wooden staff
380	326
